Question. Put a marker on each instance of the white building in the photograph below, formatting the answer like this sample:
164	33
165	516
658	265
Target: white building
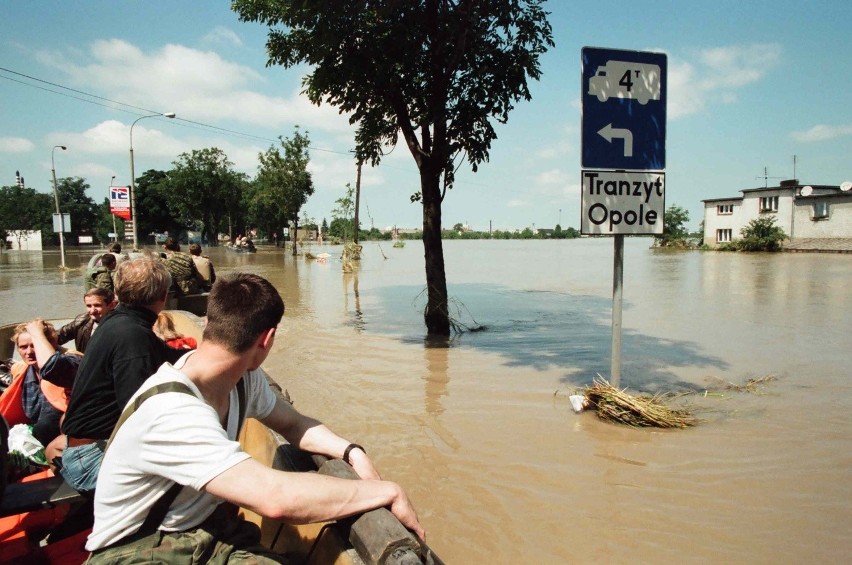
803	212
23	240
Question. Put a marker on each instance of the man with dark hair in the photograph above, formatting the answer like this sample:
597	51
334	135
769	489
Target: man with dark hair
99	302
102	276
188	437
115	249
120	356
204	266
185	276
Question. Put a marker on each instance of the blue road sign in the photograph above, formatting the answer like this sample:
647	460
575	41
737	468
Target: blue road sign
624	109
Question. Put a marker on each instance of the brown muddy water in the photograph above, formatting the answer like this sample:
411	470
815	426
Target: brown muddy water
481	433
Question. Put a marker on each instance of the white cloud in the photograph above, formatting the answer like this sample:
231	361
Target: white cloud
221	34
197	85
716	75
15	145
97	175
822	132
553	177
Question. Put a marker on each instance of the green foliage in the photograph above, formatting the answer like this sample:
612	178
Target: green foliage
283	184
675	233
203	189
343	217
456	67
82	208
24	209
104	223
761	234
152	205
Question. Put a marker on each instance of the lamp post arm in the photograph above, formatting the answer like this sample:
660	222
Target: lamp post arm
133	218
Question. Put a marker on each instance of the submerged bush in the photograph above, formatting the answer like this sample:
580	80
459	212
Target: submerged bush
761	234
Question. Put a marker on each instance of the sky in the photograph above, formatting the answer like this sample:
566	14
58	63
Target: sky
755	89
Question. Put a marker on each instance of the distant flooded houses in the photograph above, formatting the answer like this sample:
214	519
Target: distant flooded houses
814	217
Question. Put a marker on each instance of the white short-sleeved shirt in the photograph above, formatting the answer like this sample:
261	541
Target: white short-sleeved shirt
172	437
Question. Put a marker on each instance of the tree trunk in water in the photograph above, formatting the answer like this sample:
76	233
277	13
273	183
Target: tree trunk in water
437	314
295	232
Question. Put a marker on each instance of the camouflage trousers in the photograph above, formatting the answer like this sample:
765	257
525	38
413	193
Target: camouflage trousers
220	539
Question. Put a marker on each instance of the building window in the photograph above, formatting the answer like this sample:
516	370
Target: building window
769	204
724	236
724	209
820	210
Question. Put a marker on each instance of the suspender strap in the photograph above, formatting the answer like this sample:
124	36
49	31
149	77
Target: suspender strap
172	386
160	508
241	401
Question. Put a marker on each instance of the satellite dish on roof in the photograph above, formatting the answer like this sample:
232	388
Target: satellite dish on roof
807	190
846	186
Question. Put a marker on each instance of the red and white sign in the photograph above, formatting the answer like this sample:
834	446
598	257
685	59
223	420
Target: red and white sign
119	201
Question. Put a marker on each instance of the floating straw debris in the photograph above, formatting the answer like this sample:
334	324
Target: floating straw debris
614	405
753	386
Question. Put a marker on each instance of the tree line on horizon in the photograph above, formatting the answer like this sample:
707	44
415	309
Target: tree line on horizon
202	192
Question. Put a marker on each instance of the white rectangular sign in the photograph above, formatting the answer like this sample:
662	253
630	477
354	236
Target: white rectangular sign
64	223
619	202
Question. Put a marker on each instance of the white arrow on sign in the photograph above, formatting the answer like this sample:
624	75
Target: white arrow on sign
609	133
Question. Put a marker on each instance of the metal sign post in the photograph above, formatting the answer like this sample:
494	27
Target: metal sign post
623	139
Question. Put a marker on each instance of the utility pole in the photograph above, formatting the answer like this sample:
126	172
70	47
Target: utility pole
56	200
357	200
114	230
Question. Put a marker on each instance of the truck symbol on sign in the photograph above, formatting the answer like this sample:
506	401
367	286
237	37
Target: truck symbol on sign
626	79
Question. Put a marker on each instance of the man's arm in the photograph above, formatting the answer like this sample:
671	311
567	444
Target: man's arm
303	498
312	435
70	330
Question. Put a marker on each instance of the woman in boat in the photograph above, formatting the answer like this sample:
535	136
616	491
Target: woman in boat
41	384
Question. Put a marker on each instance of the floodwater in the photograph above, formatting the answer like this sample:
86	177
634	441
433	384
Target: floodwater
481	433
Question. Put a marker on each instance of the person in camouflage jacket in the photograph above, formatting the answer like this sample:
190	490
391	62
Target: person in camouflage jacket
185	276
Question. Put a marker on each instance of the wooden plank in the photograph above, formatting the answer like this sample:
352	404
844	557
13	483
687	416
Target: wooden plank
377	535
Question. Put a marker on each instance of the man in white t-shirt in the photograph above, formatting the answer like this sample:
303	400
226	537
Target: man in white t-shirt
188	436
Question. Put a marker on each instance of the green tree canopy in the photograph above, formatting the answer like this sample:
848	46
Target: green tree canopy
283	184
203	189
73	200
23	209
343	217
675	232
104	225
152	205
437	72
761	234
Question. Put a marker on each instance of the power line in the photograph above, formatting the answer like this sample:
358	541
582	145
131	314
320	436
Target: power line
192	124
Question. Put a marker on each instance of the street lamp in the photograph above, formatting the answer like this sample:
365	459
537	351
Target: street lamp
114	232
133	177
56	199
